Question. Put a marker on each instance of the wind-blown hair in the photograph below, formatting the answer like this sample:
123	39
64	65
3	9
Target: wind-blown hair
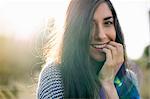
79	70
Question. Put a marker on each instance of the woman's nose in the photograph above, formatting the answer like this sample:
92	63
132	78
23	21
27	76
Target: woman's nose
100	35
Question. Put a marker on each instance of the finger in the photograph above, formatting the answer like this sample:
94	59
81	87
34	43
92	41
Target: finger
119	47
113	50
108	54
119	57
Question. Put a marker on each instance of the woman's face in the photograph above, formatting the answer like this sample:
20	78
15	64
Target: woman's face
103	31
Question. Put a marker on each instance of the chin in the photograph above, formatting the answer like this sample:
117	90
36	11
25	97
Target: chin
99	57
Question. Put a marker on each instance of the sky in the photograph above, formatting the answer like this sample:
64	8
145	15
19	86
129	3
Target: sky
135	22
23	17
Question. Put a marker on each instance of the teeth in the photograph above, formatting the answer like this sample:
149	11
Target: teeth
99	46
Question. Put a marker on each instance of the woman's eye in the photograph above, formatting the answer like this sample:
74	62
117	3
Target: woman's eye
108	23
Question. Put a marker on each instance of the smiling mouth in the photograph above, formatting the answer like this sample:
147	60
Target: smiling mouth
99	46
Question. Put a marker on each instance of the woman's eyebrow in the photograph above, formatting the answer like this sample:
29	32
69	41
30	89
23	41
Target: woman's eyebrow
108	18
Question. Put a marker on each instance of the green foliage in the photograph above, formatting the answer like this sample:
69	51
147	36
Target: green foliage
144	63
147	51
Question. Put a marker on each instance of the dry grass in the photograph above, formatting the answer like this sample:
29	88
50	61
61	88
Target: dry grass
145	87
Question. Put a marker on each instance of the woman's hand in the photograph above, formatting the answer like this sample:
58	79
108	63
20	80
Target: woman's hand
114	59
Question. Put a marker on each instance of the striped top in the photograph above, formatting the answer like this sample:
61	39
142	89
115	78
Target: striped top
50	84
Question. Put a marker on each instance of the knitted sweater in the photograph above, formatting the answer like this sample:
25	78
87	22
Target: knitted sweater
50	84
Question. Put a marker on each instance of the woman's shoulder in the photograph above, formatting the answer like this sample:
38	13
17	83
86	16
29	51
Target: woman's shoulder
50	82
51	70
132	76
134	72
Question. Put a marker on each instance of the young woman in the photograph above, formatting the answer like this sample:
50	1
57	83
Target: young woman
91	60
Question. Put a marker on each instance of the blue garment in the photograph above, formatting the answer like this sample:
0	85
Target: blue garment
127	88
50	85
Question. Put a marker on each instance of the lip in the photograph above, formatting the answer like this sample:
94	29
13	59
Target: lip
100	45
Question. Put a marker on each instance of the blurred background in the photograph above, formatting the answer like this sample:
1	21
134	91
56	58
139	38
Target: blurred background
24	29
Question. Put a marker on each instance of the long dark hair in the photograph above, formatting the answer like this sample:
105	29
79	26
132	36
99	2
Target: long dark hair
79	70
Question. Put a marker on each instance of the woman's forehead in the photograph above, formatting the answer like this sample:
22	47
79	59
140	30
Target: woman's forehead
102	11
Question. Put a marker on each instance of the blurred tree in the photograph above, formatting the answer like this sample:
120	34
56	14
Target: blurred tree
144	63
20	61
144	60
147	56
